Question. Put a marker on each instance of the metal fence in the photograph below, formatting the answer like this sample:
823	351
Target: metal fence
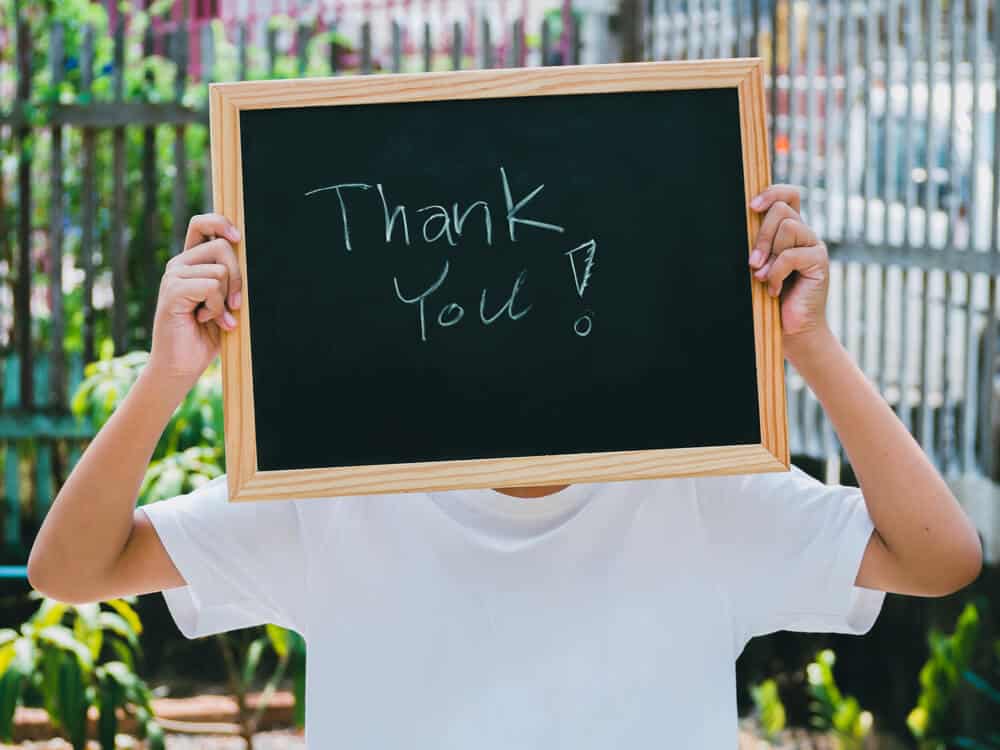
104	159
884	111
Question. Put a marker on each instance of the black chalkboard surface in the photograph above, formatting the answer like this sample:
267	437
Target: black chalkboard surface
446	282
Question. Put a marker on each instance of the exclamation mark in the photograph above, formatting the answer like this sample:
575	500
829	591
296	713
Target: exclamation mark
581	262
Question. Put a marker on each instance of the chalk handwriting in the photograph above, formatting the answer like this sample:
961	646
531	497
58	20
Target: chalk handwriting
343	207
438	224
419	299
581	260
513	208
508	306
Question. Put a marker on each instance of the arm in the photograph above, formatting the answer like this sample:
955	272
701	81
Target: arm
94	544
924	544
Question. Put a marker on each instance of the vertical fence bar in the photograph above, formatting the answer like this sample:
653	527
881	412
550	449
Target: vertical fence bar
546	42
967	453
456	46
88	198
885	272
57	384
149	205
517	43
43	449
791	170
693	50
773	92
208	75
23	144
574	41
119	260
242	66
366	47
930	202
850	70
673	31
334	50
487	42
946	426
850	55
868	51
910	35
888	122
12	458
272	51
988	412
303	32
397	46
180	199
829	120
75	376
428	47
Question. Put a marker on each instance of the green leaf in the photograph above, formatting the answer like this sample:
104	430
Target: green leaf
123	652
279	639
119	626
110	698
73	700
62	637
12	683
252	661
130	616
49	613
7	635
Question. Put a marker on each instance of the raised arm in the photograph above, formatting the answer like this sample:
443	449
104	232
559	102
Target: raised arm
94	544
924	543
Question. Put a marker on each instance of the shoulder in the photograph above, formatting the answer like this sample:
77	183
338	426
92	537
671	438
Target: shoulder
762	485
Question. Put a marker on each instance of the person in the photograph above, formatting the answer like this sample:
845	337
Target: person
581	616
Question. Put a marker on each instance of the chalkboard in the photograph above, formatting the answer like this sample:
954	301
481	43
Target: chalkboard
496	278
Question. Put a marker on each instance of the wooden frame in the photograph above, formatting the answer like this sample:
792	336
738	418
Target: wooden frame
247	483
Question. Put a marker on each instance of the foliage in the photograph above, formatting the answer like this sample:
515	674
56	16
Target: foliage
189	452
57	656
243	662
832	711
769	708
954	696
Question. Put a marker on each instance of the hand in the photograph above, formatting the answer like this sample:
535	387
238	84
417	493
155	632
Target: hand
191	310
793	262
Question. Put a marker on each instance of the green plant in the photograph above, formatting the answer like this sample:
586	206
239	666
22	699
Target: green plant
242	663
189	453
959	706
57	656
769	709
932	720
831	710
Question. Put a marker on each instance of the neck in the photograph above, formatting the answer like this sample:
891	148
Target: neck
531	492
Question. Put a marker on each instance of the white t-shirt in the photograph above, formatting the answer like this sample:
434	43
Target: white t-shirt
604	616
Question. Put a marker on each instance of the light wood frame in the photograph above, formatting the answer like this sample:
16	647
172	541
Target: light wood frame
246	482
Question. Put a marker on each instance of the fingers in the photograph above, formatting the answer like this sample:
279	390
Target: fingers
791	233
218	252
779	212
801	259
209	226
789	194
211	291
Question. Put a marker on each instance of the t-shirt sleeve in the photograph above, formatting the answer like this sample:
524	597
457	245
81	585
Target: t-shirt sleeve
244	563
788	548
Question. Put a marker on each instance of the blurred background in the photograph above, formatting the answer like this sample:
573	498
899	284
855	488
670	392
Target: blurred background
885	112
